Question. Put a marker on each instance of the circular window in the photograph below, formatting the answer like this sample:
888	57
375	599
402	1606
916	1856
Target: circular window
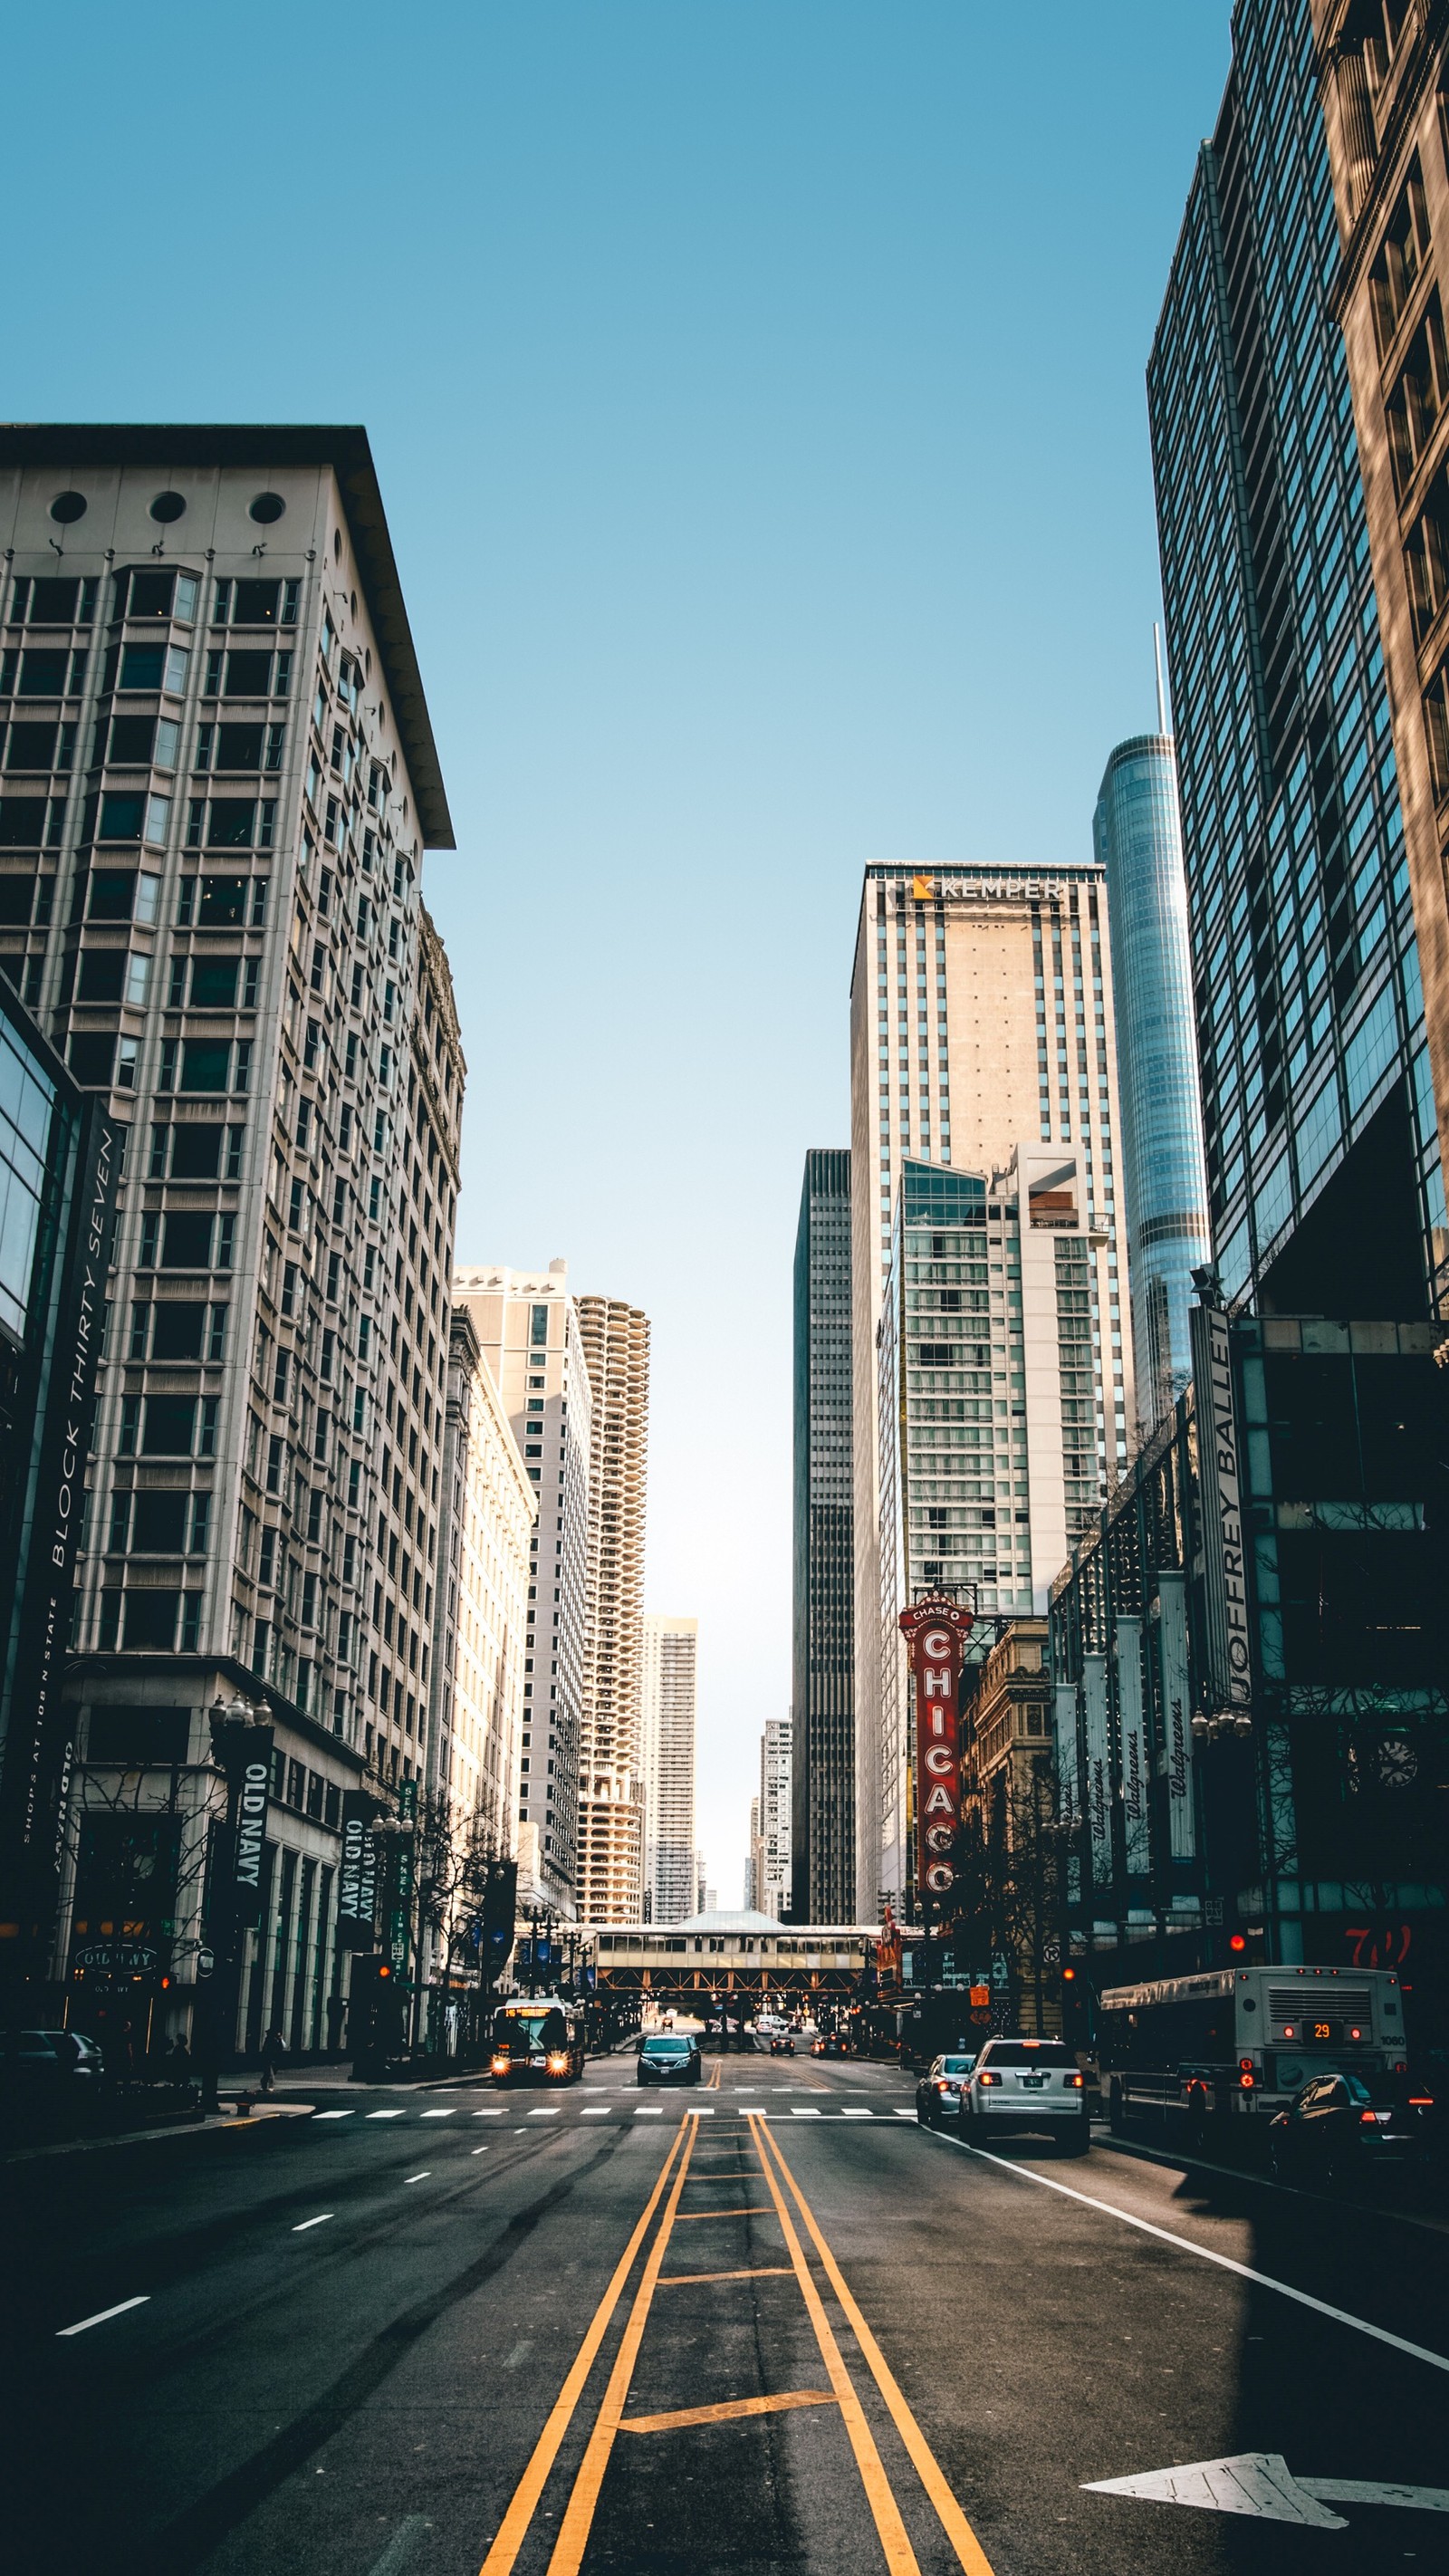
267	507
67	507
168	506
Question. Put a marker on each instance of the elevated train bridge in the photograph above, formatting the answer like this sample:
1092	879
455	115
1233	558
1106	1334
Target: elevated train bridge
743	1958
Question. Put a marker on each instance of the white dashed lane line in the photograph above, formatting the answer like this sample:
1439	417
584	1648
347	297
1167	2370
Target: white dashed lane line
304	2223
442	2115
385	2115
422	2177
103	2315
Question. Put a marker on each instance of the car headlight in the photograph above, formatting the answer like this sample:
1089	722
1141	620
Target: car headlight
558	2063
500	2065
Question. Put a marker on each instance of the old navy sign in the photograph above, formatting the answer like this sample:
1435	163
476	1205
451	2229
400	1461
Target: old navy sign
357	1877
935	1631
249	1847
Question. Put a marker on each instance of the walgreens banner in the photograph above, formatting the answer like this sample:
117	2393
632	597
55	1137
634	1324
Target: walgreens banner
935	1631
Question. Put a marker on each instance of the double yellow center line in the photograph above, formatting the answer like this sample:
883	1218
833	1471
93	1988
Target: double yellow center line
574	2530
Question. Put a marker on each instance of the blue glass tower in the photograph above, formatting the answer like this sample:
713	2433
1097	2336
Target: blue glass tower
1135	829
1319	1125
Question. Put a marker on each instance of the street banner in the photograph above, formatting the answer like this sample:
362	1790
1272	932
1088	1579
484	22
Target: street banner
251	1781
1176	1717
1229	1680
1069	1790
1134	1747
1099	1782
357	1876
935	1631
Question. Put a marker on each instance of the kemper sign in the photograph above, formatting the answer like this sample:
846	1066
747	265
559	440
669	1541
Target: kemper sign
935	1631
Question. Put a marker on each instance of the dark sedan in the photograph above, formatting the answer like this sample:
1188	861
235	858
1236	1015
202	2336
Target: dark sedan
938	2094
669	2057
1341	2124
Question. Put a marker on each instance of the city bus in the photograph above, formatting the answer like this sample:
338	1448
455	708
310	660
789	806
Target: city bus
1190	2053
538	2036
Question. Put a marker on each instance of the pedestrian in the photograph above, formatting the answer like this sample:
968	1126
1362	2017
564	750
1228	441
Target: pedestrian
274	2049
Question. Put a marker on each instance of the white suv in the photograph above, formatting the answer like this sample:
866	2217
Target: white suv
1019	2084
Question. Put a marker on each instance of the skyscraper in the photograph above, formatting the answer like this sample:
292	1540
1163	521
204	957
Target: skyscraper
1164	1186
615	1340
1385	74
528	1331
772	1891
480	1623
981	1024
1321	1137
212	869
667	1740
823	1667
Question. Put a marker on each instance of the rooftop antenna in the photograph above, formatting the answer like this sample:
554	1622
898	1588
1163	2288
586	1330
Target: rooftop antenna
1162	724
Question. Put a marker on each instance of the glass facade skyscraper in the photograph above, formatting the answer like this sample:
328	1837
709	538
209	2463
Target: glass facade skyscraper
823	1678
1322	1153
1164	1186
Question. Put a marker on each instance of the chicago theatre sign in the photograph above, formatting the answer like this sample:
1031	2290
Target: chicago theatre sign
935	1631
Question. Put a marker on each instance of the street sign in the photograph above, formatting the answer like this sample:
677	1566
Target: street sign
1261	2483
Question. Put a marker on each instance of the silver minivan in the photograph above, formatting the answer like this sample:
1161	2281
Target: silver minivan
1018	2085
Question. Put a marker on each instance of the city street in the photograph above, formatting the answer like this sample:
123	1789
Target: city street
768	2324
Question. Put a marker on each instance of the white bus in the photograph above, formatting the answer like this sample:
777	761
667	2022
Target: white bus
1239	2043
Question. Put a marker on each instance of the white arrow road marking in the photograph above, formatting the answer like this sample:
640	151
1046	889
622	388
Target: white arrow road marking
1257	2482
1261	2483
1374	2491
1205	2253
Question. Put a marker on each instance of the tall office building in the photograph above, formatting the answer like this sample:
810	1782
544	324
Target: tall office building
219	782
981	1026
994	1344
667	1746
1164	1185
528	1330
1322	1144
58	1158
772	1887
822	1699
615	1341
1385	73
475	1732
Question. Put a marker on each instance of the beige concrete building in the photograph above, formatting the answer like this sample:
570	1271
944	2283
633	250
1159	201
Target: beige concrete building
214	817
1009	1815
476	1729
1384	78
528	1331
615	1341
982	1044
666	1753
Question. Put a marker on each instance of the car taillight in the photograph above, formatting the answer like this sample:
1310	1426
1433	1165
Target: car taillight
1373	2119
1075	2082
1421	2101
986	2076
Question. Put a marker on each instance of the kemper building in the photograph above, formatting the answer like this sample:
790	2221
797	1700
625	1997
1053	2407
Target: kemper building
220	779
992	1372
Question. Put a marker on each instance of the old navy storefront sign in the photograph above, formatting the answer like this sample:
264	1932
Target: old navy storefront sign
249	1850
357	1878
935	1631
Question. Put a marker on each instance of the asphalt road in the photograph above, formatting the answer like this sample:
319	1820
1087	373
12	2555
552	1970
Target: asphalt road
457	2331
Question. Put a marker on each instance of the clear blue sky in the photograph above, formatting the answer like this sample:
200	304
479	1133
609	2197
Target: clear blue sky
756	387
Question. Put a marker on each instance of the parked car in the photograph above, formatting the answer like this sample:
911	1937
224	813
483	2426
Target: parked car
1341	2124
669	2057
938	2094
48	2070
1019	2085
